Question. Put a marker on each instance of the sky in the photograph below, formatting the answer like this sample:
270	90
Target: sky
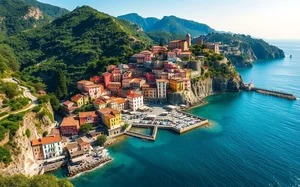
268	19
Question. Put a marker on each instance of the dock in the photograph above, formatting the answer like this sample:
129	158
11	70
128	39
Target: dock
144	136
156	127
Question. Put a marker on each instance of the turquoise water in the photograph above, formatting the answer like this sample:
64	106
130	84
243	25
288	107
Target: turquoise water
254	139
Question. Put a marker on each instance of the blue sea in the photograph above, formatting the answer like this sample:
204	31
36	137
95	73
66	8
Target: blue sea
254	139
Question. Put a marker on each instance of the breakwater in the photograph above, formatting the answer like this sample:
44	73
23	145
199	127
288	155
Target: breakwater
144	136
274	93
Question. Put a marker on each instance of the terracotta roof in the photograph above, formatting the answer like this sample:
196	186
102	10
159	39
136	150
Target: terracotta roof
99	102
83	141
84	82
134	95
94	86
176	41
69	121
46	140
162	80
75	98
72	145
67	102
108	111
86	114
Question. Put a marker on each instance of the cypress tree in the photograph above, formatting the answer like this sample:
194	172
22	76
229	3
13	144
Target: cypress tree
61	85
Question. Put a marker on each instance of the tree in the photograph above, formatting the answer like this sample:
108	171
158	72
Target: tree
61	85
85	128
45	133
5	155
28	134
54	102
101	140
161	43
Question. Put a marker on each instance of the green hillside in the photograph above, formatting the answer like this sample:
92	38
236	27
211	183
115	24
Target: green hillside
82	43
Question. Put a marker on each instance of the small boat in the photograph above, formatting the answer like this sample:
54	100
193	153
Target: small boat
291	56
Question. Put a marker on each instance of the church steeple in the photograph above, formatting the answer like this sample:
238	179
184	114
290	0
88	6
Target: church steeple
189	40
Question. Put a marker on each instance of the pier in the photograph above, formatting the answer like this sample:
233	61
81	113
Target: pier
274	93
250	87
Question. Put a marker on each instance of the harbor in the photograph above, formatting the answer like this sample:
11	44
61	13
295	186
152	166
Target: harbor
163	118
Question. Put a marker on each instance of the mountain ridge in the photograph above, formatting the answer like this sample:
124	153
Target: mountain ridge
171	24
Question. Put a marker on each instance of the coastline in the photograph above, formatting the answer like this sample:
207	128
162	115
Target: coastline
88	171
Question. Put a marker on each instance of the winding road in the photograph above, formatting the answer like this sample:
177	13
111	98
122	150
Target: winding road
26	93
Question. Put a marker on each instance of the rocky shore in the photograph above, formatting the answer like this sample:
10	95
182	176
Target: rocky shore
87	166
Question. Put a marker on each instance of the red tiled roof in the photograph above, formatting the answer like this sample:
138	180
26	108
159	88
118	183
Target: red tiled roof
69	121
162	80
67	102
75	98
46	140
86	114
99	102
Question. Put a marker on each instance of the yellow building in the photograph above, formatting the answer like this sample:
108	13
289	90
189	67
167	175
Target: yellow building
177	84
110	117
80	100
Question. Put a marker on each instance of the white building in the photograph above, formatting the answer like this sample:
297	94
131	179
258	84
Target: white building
135	101
162	85
47	147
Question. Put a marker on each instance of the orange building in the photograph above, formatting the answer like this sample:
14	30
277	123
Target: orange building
88	117
69	126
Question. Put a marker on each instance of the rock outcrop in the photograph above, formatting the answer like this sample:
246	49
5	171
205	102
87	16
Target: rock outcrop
24	162
203	88
35	13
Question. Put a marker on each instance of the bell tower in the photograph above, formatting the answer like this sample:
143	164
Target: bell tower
189	40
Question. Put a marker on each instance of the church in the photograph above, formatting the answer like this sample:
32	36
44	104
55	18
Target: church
184	45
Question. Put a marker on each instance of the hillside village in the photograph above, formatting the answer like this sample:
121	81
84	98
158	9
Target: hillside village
121	93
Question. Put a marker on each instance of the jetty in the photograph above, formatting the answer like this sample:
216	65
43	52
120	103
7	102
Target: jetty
250	87
275	93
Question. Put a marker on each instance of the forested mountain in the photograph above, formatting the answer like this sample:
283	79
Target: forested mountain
170	24
260	48
20	15
145	23
82	43
53	11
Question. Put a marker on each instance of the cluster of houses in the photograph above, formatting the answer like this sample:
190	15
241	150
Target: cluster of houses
149	77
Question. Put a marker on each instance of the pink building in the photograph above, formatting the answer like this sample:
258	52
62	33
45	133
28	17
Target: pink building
150	77
107	78
94	90
81	84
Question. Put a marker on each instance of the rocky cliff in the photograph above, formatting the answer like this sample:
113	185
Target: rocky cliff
23	161
203	88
